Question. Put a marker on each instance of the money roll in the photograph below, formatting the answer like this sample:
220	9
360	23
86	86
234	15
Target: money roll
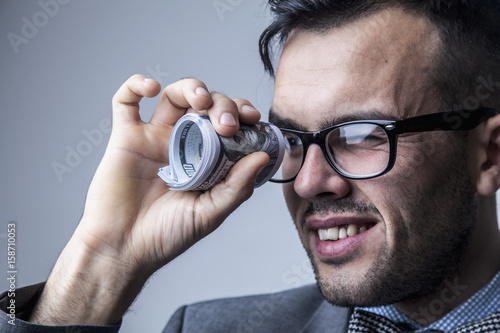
199	158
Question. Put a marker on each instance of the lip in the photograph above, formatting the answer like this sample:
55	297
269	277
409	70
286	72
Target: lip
342	247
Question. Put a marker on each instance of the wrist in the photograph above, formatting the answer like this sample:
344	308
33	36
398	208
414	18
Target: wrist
87	288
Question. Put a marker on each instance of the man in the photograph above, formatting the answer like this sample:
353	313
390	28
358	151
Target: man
405	241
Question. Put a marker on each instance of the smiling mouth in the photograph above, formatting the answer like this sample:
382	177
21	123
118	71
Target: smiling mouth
343	231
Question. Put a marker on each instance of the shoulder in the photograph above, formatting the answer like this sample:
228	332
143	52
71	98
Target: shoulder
285	311
301	299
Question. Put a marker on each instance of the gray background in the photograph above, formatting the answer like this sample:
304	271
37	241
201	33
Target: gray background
58	85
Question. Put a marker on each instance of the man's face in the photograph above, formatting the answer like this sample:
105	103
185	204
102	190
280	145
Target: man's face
409	227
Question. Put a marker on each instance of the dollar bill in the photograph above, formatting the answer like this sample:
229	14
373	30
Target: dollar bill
200	158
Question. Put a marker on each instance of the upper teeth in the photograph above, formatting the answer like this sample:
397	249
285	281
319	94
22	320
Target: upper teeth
337	233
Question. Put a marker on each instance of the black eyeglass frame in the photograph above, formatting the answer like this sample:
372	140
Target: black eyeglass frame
460	120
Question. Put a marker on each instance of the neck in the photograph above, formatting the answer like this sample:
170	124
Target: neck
481	264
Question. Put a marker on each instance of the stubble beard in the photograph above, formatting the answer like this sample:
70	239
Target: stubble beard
428	252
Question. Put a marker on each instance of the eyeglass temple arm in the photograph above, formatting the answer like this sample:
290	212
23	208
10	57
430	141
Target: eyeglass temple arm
451	120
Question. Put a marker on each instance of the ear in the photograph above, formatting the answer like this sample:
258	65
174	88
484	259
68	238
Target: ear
486	152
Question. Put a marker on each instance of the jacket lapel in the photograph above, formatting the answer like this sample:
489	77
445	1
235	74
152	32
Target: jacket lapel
328	319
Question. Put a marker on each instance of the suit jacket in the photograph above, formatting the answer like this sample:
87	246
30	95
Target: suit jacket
301	310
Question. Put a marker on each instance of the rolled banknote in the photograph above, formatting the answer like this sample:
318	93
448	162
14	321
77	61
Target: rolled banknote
200	158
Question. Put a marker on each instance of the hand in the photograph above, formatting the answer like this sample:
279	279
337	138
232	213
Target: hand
147	221
132	223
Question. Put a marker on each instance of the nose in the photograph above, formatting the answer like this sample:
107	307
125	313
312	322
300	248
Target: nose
317	178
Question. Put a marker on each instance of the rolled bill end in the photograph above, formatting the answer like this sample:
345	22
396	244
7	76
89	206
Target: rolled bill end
166	173
200	158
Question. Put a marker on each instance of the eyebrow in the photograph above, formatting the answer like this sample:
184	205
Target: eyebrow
284	122
329	122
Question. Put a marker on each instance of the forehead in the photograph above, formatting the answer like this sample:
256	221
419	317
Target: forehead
380	63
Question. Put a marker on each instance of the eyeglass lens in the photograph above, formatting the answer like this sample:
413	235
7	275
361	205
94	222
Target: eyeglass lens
356	150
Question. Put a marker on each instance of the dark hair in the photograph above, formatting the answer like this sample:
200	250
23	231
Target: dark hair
469	32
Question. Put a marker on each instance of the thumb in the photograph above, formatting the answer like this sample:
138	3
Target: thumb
238	185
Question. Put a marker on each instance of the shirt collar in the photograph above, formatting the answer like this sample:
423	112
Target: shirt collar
485	302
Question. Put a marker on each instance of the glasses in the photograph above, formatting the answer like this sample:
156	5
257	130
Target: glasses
364	149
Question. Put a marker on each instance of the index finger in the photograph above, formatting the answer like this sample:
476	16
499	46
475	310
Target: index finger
177	97
126	99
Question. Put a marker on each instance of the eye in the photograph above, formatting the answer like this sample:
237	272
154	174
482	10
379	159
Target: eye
358	136
293	144
291	140
369	139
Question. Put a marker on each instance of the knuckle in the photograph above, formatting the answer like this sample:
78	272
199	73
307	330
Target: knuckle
240	191
166	90
137	77
245	193
241	101
116	100
225	104
189	83
171	88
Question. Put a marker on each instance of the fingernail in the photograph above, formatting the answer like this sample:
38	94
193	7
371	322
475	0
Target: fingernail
147	80
227	119
202	91
248	108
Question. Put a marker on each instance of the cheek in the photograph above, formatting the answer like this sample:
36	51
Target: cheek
392	205
420	151
292	200
409	196
396	196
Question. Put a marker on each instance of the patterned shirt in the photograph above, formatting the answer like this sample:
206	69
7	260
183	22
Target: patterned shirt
485	302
